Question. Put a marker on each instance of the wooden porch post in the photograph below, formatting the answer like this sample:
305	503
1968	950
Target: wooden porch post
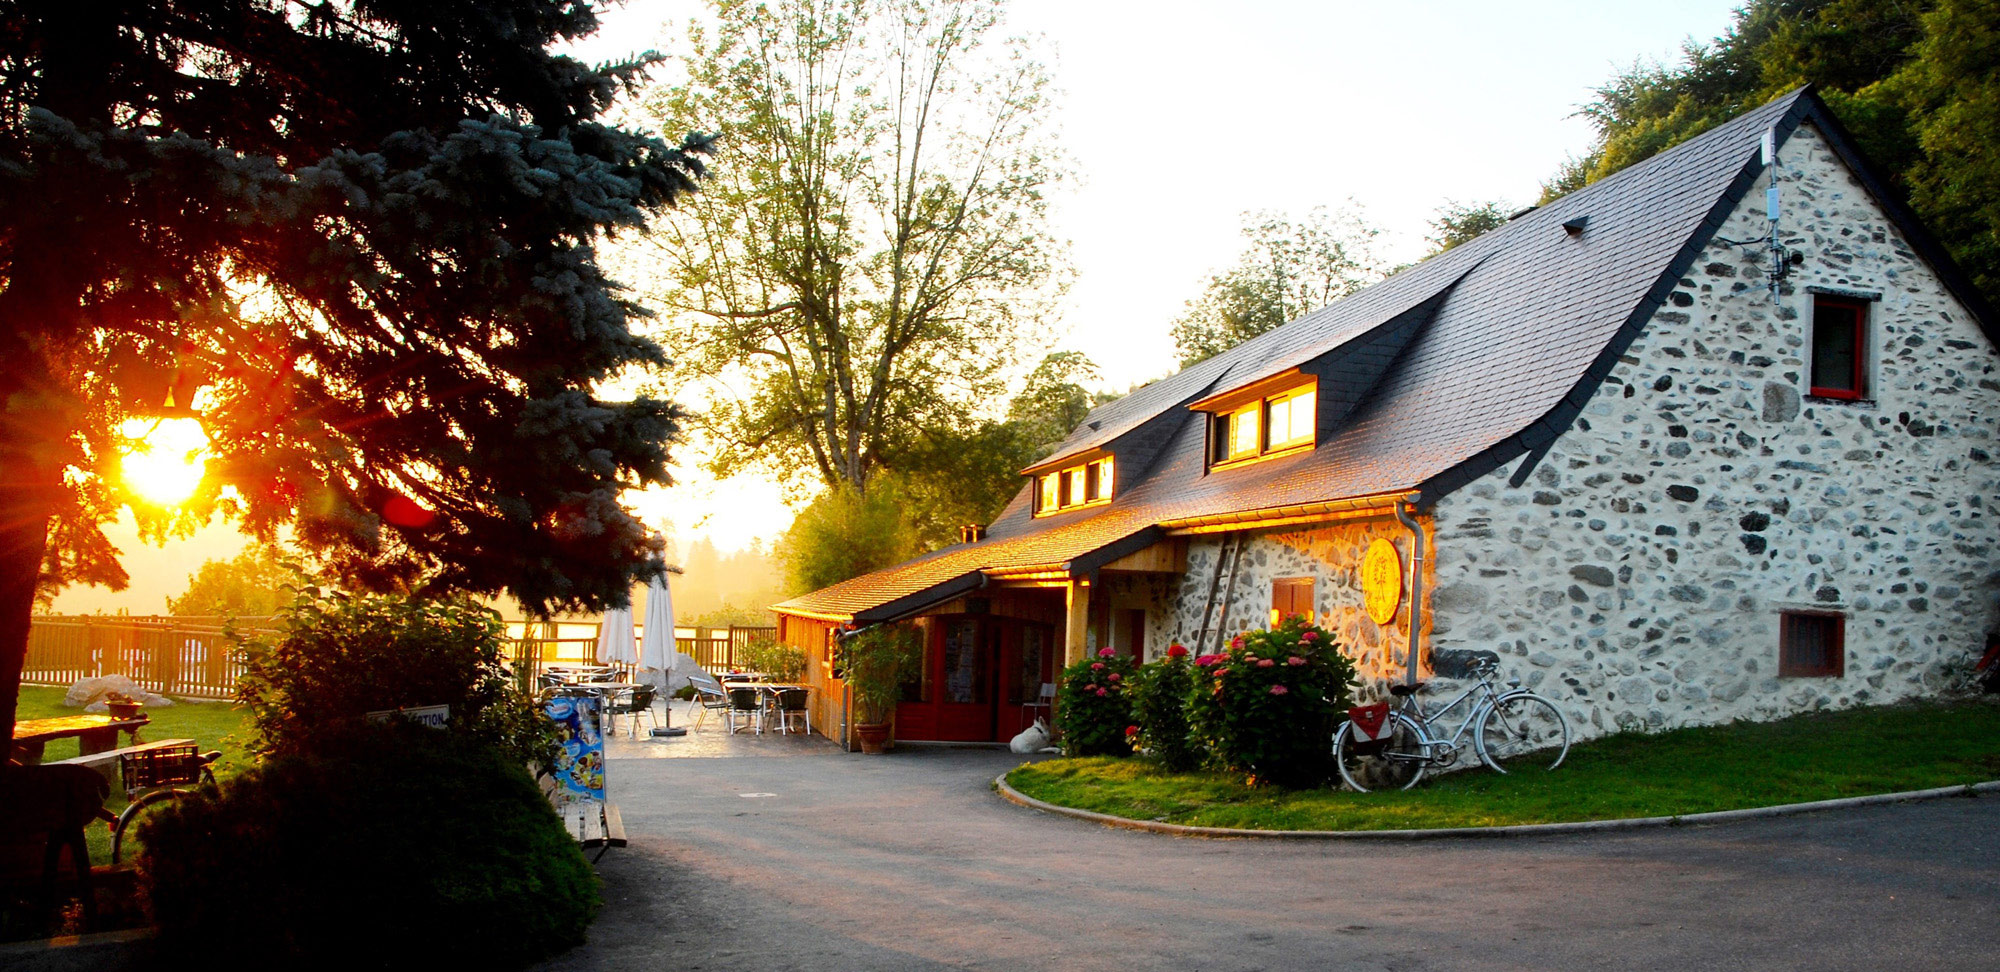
1077	620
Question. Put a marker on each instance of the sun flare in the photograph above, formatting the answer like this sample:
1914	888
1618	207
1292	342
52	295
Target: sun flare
165	459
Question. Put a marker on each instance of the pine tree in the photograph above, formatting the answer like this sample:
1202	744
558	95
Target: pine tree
357	238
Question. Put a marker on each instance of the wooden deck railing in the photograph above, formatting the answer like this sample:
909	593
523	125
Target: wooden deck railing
191	656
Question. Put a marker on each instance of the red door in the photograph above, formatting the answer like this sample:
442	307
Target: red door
965	682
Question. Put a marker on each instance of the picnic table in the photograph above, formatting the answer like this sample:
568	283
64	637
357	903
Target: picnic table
94	734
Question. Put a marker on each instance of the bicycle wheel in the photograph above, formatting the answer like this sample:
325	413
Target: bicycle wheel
1523	730
132	812
1395	763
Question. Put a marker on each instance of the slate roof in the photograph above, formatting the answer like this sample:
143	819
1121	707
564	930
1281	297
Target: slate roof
1439	374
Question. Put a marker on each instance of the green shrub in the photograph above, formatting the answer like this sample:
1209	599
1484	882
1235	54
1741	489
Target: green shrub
1094	708
340	656
1268	705
786	663
387	846
1160	710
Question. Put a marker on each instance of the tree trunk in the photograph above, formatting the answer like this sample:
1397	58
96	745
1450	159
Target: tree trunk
24	535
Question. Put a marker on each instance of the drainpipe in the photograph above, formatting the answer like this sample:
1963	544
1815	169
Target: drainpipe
1416	582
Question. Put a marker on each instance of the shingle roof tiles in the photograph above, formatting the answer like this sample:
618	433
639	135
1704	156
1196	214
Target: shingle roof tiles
1532	311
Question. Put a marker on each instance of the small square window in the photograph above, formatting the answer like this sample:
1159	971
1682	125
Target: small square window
1812	644
1839	348
1291	420
1289	596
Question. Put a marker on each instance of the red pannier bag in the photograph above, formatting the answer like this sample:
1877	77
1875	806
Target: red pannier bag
1371	725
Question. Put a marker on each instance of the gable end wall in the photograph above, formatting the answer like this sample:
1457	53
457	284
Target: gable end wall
1639	572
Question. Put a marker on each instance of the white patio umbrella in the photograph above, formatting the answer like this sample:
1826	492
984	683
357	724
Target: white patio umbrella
659	663
615	641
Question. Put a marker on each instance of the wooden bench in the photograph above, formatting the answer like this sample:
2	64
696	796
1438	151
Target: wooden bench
106	763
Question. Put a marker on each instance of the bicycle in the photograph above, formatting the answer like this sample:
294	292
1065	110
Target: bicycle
155	776
1505	726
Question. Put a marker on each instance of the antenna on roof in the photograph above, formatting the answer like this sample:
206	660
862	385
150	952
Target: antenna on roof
1781	258
1772	209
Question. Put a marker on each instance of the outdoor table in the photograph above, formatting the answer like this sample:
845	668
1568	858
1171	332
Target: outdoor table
94	734
770	691
603	691
599	689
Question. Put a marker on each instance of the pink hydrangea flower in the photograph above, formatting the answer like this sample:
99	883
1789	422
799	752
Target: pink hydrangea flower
1309	636
1096	666
1221	672
1295	660
1115	676
1279	690
1207	660
1106	652
1101	692
1265	663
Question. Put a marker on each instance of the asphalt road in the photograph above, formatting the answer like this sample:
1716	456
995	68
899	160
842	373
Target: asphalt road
823	860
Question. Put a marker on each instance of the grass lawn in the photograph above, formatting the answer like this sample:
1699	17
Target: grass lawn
1817	756
212	725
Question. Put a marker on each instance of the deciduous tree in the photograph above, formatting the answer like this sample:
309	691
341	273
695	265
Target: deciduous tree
873	247
254	583
1457	223
1285	270
1914	80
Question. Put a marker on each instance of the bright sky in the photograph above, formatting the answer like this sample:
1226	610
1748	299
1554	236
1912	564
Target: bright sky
1180	117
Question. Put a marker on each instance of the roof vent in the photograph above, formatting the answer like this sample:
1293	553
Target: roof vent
1575	226
971	533
1093	425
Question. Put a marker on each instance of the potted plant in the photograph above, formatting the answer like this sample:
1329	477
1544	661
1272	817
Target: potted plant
122	706
872	661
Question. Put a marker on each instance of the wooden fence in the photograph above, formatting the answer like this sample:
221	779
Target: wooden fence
192	656
185	656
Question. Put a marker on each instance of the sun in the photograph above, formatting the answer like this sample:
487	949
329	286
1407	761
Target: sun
165	459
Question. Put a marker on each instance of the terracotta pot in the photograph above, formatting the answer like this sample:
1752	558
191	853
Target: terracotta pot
873	736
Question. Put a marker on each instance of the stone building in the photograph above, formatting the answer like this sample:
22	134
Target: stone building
1670	459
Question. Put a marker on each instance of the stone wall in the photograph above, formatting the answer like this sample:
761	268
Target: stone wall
1331	555
1639	572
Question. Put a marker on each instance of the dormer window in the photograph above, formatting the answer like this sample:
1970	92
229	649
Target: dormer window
1083	484
1271	417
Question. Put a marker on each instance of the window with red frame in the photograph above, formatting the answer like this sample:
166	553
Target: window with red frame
1839	348
1812	644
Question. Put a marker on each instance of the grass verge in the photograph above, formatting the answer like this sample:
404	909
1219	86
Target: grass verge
212	725
1817	756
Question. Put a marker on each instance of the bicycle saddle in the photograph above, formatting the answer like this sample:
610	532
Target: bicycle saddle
1402	690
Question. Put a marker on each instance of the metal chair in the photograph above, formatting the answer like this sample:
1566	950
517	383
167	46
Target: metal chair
790	702
709	694
747	701
632	702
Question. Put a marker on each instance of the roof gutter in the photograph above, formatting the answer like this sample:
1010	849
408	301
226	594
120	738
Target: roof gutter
1416	585
1378	503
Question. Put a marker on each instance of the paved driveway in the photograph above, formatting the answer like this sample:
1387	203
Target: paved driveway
813	859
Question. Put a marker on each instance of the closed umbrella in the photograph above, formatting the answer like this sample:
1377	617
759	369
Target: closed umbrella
659	663
615	642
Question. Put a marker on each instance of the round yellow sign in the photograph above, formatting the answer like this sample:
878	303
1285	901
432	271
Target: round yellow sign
1382	581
